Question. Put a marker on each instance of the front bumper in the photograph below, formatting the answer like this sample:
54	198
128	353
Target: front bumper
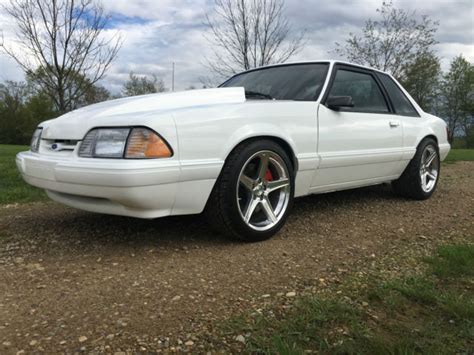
136	188
444	150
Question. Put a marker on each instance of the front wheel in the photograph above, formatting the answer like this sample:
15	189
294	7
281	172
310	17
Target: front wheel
254	194
420	178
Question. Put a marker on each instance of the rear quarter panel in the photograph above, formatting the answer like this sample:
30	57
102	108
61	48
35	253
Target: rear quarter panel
415	129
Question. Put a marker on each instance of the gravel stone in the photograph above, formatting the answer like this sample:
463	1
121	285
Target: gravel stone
85	263
240	339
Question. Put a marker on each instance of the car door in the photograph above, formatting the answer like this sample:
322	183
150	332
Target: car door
357	145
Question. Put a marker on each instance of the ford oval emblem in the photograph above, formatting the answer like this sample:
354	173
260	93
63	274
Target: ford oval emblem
54	146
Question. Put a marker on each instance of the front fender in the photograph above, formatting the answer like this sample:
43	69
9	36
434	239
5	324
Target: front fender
256	130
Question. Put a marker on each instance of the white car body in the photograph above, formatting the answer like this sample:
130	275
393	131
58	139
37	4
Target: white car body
331	150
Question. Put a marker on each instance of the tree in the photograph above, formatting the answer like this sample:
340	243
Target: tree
12	101
457	92
247	34
470	137
38	108
61	39
392	43
421	79
95	94
142	85
21	109
91	93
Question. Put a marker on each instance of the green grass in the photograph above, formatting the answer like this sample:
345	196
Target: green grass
460	155
12	187
453	261
305	327
432	313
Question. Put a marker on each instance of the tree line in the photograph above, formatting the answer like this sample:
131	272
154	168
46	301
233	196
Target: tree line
63	50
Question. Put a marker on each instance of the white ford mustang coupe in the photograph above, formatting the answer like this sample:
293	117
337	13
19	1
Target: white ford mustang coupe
243	151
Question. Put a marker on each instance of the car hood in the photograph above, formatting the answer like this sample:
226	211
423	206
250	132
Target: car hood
132	110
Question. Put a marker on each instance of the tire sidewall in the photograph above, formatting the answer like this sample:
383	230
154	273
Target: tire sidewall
244	231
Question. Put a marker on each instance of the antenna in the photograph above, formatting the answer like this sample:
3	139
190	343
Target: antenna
172	79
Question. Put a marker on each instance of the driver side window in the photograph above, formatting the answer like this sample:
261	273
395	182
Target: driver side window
362	87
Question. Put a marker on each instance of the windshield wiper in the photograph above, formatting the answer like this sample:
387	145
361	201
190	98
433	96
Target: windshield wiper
258	94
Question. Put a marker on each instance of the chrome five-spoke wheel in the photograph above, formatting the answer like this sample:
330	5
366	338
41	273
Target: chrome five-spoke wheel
263	190
429	168
254	193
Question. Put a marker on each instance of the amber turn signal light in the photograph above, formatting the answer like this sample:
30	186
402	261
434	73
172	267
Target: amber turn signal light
144	143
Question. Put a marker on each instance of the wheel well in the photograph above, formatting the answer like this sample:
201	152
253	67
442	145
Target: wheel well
430	136
281	142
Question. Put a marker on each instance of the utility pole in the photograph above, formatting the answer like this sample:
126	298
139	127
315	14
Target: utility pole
172	79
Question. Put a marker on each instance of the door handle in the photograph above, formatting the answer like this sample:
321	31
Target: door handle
394	124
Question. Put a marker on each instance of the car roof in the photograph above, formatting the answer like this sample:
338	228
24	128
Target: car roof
330	61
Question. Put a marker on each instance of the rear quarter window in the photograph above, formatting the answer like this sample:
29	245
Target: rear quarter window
400	102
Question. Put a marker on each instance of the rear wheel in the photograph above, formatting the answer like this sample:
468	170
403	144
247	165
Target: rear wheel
420	178
254	194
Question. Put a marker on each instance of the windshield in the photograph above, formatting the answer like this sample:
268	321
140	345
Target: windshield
301	82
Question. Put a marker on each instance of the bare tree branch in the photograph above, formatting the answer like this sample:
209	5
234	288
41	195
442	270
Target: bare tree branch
59	41
391	44
249	33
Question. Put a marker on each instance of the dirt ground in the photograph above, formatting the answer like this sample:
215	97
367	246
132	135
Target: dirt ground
74	281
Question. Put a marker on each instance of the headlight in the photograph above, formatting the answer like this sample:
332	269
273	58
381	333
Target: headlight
104	143
131	143
36	140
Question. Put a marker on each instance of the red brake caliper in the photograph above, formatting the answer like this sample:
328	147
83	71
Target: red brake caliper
268	175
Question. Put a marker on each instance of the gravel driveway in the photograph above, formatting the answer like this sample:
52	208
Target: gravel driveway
72	281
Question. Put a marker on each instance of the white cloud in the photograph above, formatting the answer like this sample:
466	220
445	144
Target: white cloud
9	69
447	51
157	33
163	10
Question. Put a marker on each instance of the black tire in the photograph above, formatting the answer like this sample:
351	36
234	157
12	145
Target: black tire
222	209
410	182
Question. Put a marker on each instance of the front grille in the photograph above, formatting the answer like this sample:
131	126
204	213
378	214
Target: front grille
58	147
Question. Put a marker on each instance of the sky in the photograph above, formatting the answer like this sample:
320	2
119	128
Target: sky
156	33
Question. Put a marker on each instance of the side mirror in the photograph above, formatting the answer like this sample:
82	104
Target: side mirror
336	102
